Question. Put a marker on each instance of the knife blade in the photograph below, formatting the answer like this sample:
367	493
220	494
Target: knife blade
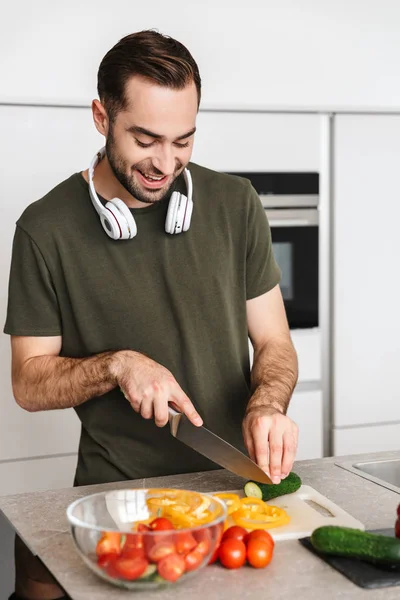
214	448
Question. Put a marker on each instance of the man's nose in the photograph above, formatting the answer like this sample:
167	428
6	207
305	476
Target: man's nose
165	160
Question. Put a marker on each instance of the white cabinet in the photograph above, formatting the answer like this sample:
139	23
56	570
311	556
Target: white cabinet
37	475
366	334
41	146
359	440
229	141
306	411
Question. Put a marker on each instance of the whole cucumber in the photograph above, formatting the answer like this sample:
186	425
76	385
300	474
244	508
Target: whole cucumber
354	543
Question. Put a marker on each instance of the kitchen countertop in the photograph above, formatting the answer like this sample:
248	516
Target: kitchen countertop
40	520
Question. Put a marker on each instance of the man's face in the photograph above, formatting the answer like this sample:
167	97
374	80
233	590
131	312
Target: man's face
150	143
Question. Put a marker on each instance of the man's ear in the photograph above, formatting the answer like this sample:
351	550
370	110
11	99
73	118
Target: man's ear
100	117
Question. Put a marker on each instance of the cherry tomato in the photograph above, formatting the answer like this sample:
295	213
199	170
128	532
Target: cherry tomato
259	553
259	534
132	552
235	532
160	550
214	555
203	535
108	543
184	542
203	547
142	527
105	560
171	567
131	569
193	560
133	540
397	528
232	553
161	524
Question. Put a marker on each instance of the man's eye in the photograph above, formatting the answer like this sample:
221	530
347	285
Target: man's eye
142	145
181	145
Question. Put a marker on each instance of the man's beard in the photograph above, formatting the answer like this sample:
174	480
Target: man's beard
120	168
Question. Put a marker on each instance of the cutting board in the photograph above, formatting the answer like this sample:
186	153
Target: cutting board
307	509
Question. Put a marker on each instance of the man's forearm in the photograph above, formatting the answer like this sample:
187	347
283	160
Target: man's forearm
274	375
51	382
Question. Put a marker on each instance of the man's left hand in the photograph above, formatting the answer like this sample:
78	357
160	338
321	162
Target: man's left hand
271	440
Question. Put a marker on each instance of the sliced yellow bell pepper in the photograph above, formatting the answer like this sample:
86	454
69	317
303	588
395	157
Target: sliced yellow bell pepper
256	514
232	501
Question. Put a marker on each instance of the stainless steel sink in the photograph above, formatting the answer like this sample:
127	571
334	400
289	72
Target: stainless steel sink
382	472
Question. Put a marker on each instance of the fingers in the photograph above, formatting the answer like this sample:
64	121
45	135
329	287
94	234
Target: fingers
260	432
289	451
276	454
184	405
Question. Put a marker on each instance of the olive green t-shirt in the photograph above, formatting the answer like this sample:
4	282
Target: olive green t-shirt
180	299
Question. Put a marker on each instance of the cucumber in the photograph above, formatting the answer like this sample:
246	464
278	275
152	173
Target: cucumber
150	572
354	543
266	492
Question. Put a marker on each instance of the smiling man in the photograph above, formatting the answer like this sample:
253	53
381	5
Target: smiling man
136	283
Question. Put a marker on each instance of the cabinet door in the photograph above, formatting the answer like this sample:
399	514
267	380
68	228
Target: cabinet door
40	147
366	336
306	410
229	141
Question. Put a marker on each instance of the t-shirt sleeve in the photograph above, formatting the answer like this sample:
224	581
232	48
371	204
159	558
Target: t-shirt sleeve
32	301
262	271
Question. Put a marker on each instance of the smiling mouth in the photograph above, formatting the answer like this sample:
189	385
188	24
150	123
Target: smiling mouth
152	178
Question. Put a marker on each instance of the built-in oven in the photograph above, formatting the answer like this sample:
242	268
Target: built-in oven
291	204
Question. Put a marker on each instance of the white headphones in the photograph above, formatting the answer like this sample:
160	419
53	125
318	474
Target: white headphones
117	220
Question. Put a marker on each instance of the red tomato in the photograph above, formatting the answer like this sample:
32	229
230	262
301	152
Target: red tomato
214	555
193	560
132	552
142	527
202	535
184	542
160	550
131	568
235	532
171	567
260	534
133	540
259	553
232	553
203	547
161	524
105	560
397	528
108	543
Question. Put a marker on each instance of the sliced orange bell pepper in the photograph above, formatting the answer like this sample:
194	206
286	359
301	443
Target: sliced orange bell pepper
232	501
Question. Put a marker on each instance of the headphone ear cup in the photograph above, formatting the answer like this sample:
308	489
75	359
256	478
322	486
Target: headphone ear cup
127	215
188	214
173	206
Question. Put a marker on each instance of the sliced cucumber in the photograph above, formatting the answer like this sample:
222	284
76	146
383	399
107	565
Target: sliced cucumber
149	572
253	490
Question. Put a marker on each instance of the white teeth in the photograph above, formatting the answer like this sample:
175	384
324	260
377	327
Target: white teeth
152	177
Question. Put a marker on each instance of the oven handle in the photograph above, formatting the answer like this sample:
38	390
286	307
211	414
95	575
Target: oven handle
293	218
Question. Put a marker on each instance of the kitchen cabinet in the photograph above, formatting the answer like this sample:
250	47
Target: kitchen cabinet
366	328
306	411
246	141
37	474
357	440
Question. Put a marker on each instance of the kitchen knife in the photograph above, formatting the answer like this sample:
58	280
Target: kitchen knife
215	448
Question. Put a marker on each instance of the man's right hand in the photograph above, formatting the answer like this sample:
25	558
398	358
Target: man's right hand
149	388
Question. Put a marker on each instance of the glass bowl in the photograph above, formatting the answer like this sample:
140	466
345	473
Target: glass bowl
112	535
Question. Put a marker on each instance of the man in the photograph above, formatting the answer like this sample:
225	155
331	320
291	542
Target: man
108	312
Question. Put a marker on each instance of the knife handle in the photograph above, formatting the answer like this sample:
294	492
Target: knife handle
174	418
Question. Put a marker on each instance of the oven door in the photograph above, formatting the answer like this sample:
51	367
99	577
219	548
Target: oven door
295	245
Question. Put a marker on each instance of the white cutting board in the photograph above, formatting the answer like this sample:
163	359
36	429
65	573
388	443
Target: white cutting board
303	517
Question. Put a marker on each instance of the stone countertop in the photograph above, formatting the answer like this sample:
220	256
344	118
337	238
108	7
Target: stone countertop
40	520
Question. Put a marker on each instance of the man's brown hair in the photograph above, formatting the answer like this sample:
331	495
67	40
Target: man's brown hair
152	55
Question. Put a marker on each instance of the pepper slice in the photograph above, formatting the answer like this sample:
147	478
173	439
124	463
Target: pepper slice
256	514
232	501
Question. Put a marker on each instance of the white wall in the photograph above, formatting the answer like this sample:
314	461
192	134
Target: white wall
286	53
